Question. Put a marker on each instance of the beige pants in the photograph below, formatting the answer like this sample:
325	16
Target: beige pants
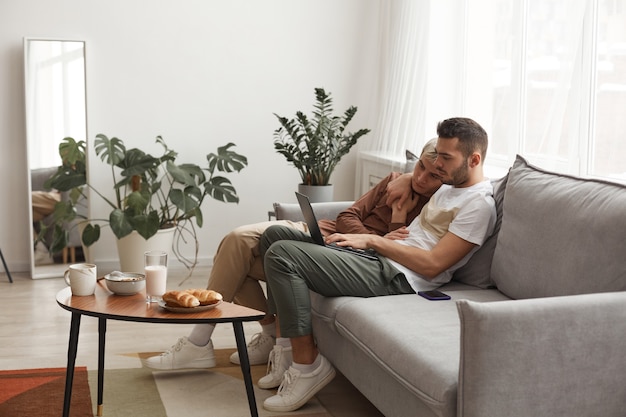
238	267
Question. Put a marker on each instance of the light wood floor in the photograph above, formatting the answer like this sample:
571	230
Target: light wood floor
34	330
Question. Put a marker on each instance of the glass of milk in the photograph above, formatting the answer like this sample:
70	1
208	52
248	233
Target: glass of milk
155	262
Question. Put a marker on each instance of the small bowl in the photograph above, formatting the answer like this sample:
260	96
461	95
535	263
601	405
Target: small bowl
125	283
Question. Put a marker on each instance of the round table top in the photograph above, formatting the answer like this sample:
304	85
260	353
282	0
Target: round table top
105	304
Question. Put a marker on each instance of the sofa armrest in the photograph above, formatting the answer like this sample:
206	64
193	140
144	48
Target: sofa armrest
553	356
328	210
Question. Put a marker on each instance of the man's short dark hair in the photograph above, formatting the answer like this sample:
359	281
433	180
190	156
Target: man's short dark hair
472	137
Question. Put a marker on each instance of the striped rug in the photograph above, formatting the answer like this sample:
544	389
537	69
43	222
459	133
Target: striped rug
140	392
215	392
39	392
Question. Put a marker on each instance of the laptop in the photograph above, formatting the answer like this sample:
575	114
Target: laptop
316	234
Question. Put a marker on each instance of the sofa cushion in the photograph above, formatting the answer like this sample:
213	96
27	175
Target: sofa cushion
325	308
324	210
560	235
411	161
422	354
477	271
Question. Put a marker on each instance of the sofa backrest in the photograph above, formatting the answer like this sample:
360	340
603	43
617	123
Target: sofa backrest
327	210
560	235
477	271
39	176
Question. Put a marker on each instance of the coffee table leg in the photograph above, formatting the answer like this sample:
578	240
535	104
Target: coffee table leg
71	361
245	366
102	329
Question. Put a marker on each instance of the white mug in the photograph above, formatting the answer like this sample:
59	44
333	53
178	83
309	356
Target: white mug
81	278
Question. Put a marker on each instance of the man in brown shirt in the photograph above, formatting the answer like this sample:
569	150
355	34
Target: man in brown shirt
237	265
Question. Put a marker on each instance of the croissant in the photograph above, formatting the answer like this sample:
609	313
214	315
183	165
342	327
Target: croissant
180	299
206	297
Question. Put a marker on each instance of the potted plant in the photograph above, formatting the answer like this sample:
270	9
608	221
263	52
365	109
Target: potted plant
315	145
151	193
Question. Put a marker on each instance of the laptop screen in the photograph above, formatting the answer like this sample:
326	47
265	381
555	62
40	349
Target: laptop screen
309	218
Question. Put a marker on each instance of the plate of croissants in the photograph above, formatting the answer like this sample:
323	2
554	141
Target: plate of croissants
190	301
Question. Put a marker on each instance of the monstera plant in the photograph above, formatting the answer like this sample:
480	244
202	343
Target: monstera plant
149	192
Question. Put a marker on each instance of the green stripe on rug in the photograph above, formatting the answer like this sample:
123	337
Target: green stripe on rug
128	392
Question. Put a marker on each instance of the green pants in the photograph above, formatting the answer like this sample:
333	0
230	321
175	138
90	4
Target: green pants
294	265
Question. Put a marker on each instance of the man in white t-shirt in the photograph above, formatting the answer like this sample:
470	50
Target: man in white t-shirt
456	211
459	217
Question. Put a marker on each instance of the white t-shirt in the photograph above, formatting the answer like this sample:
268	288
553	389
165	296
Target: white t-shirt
469	213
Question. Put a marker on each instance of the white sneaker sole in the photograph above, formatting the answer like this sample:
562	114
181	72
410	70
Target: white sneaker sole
204	364
310	393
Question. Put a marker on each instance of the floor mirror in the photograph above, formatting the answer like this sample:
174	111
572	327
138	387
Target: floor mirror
55	99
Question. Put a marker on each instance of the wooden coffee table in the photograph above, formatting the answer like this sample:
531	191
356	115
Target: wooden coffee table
107	306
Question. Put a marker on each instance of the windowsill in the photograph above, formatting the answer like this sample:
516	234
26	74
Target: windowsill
494	172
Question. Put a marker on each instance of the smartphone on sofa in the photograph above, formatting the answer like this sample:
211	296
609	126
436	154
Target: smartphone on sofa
434	295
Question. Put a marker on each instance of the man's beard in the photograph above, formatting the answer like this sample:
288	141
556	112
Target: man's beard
459	176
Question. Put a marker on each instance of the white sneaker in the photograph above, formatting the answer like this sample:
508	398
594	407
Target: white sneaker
298	388
183	355
277	364
259	349
42	256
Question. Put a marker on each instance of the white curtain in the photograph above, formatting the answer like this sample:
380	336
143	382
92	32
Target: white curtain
55	97
404	54
545	78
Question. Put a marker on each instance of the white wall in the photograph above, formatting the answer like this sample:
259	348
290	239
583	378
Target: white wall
200	73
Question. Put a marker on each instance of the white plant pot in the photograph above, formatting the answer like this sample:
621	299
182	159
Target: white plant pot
317	193
86	249
131	248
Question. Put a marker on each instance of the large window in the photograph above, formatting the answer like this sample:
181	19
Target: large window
546	78
558	81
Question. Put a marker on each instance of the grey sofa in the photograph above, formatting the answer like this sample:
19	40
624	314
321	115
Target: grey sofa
537	321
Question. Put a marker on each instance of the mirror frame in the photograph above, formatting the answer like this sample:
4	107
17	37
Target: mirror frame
53	270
